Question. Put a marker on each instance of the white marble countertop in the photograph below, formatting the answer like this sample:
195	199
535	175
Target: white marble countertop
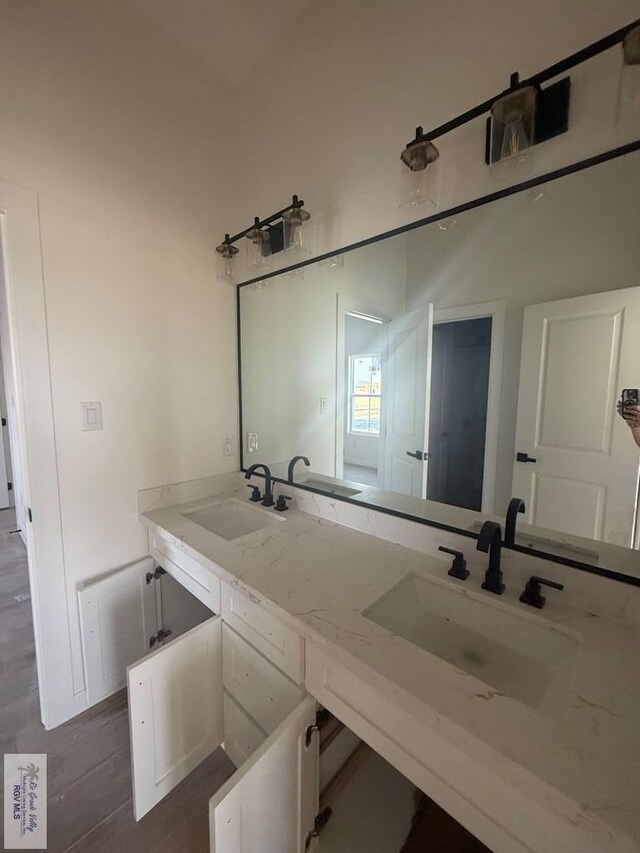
319	576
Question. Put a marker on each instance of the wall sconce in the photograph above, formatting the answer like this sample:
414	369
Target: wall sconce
417	156
225	254
629	86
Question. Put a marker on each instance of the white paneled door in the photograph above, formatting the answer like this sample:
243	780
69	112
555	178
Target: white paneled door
578	464
406	375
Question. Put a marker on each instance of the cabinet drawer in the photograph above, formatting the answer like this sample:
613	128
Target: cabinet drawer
199	581
242	735
258	686
265	632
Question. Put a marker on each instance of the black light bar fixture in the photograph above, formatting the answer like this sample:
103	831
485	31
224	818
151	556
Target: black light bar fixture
524	114
281	230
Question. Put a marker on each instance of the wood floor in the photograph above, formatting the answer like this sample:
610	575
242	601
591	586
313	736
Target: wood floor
89	768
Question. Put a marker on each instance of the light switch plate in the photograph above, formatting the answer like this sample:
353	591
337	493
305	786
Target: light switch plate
91	416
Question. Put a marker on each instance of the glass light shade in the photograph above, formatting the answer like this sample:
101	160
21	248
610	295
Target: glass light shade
513	127
258	249
294	233
418	156
419	191
629	84
225	253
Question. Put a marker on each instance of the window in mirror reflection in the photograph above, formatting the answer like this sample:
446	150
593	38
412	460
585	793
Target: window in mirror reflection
365	390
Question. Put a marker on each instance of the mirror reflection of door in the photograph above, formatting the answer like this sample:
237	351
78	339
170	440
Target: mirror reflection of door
580	465
459	397
406	377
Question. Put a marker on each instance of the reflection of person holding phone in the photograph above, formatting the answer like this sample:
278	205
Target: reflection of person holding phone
629	410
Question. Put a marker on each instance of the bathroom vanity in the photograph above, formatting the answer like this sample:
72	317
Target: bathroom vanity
519	723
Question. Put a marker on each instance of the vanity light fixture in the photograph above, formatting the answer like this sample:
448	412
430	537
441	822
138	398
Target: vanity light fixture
629	85
283	229
418	156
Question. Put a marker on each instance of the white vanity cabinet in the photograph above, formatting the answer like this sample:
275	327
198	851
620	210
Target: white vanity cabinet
209	686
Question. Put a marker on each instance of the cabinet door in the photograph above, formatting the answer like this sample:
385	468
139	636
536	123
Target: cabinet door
175	712
117	619
269	805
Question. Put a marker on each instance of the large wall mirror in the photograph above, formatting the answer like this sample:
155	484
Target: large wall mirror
442	371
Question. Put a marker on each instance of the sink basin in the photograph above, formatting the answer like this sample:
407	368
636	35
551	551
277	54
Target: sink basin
516	656
233	519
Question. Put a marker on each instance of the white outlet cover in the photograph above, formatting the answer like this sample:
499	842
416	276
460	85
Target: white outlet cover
227	445
91	414
252	442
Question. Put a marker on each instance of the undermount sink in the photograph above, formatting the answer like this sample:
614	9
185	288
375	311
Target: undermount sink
232	519
516	656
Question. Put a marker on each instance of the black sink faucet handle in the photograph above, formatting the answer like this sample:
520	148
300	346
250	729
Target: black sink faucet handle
256	494
458	568
281	503
532	594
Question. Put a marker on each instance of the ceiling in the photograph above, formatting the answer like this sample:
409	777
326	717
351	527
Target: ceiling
229	37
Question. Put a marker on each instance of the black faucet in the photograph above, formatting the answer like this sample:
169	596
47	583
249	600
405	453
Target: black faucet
292	466
516	505
267	500
490	540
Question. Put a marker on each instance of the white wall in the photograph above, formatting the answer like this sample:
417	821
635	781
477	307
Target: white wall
329	122
119	136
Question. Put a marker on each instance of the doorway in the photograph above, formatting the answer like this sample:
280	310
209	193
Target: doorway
461	358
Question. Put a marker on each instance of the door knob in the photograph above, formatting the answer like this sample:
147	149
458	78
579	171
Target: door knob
420	455
524	457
